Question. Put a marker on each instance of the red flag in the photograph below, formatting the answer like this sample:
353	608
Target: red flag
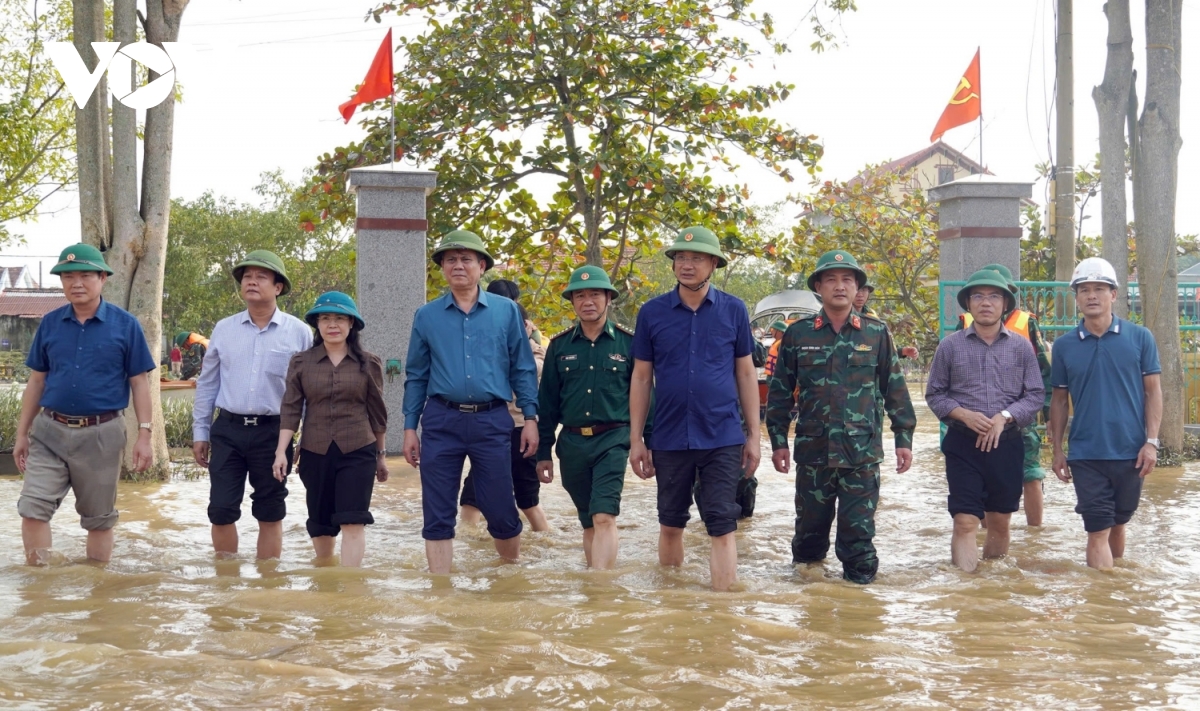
965	105
378	82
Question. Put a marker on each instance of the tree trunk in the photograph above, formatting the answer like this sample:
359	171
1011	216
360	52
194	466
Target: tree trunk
136	236
1110	98
91	130
1155	181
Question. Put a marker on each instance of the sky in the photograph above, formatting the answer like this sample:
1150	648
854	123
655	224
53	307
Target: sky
262	80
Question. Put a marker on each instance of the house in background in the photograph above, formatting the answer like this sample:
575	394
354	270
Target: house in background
930	167
23	303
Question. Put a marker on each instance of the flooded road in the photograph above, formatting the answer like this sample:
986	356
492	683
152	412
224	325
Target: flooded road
165	626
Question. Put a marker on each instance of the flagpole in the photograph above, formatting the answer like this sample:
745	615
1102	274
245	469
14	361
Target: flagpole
980	108
392	158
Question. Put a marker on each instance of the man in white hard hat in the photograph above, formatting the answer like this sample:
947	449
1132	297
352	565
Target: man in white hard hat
1109	368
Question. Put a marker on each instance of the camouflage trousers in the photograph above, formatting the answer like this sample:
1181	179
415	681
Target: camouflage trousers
1032	439
855	494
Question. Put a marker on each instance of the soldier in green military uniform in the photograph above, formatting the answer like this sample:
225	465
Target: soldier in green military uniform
838	361
1025	324
585	387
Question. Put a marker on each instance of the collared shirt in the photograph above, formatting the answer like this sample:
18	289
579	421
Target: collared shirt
245	368
585	382
1104	376
840	382
88	365
474	357
342	403
968	372
694	354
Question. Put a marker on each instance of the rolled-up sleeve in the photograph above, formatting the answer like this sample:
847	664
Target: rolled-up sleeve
377	413
938	387
208	386
523	372
292	407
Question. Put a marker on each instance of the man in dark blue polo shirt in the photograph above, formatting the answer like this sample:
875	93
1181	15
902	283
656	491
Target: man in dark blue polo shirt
467	355
85	359
693	346
1109	368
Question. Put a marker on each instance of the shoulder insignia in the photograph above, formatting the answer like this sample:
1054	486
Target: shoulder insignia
623	329
563	332
874	317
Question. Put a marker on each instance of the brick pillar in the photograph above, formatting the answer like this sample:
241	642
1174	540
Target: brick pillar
390	234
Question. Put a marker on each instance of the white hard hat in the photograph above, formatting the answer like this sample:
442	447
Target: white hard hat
1094	269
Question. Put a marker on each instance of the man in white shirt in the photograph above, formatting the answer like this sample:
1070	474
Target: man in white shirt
244	376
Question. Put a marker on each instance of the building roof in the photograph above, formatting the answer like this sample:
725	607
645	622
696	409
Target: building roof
908	162
31	303
1191	271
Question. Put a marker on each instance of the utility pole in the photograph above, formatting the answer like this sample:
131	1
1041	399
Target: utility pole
1064	171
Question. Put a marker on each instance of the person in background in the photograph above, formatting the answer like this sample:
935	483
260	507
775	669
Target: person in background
338	389
1108	369
85	360
176	361
192	348
526	487
777	330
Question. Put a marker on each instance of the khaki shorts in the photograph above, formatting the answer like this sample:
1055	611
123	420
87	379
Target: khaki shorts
86	460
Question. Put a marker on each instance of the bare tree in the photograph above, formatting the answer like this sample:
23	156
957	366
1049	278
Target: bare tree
1111	98
130	227
1156	142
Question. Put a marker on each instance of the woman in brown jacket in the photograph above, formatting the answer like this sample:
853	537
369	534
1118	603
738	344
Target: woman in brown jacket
338	387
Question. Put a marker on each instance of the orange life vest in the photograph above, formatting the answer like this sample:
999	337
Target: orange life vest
1018	322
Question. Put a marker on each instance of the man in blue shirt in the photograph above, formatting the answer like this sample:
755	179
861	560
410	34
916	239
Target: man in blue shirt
1109	368
467	356
245	376
693	346
85	359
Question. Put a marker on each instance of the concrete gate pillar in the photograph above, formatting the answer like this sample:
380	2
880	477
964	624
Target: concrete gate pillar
979	222
390	233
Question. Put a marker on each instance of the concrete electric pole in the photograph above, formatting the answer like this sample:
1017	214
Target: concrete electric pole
1064	169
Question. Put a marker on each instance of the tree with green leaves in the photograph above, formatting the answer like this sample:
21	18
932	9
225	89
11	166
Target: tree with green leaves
37	123
210	234
568	131
892	230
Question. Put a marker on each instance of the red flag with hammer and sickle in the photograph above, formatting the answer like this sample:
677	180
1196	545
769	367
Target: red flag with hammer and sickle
965	105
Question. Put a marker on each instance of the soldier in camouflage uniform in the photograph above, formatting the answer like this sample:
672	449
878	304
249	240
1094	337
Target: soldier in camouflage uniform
838	362
1025	324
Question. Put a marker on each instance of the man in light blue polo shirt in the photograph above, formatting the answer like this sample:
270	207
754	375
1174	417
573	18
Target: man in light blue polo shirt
1109	367
467	355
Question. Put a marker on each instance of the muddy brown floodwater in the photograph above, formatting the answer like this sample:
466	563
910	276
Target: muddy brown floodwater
165	626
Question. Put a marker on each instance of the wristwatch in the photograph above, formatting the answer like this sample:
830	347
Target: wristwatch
1153	441
145	425
1007	415
531	417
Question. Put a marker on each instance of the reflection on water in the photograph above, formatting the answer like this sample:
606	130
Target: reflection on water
166	626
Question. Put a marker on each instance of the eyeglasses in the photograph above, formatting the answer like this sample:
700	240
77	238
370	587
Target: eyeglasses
986	298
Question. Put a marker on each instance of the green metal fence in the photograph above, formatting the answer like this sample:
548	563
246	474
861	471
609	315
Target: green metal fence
1053	303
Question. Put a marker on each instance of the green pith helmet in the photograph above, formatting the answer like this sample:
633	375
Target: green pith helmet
462	239
780	326
589	277
81	258
267	260
987	277
181	338
697	239
335	302
1004	272
837	259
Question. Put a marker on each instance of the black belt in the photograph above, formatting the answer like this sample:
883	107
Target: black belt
250	420
596	429
82	420
1010	431
470	407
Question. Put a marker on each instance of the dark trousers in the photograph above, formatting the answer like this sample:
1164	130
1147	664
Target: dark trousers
337	488
240	451
855	493
448	438
526	487
718	470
